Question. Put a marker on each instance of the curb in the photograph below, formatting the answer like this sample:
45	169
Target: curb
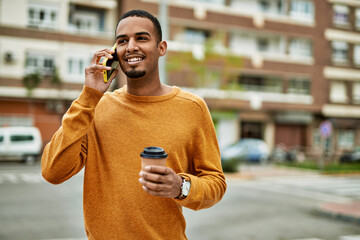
349	212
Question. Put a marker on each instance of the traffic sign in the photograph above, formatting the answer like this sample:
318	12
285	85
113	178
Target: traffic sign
325	129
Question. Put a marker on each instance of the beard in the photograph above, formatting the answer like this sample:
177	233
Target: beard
135	73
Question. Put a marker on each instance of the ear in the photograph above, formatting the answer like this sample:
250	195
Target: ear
162	47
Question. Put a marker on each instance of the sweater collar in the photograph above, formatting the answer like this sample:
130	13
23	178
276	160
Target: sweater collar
137	98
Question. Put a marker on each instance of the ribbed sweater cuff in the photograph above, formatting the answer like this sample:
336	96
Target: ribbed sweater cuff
89	97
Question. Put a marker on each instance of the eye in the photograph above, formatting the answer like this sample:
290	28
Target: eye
122	41
142	38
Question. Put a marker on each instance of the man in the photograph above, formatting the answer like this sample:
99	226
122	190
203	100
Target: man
107	132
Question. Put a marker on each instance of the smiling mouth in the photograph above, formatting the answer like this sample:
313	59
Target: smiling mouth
133	60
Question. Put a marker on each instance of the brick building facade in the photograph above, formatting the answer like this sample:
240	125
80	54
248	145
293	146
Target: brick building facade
299	65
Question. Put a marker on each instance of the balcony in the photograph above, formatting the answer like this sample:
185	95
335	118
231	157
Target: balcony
87	21
286	11
259	47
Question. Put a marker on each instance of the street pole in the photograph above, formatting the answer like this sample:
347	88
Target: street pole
163	18
325	129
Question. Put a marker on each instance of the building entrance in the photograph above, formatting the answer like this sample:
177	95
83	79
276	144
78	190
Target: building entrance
252	130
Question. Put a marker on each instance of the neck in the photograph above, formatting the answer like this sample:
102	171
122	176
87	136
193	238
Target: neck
147	87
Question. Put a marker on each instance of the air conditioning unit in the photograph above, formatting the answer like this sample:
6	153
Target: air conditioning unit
9	57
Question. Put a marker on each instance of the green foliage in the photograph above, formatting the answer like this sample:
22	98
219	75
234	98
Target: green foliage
31	81
231	165
213	67
233	85
328	168
55	78
342	168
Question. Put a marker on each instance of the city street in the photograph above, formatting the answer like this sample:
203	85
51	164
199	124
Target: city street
255	210
263	208
271	86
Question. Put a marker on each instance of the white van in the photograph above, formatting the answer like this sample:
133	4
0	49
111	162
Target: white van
20	143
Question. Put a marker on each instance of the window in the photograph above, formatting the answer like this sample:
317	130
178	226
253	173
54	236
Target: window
299	86
280	6
264	5
357	18
262	44
341	15
195	36
340	52
75	66
338	93
1	139
236	4
260	83
86	20
346	139
239	40
300	47
302	10
76	62
42	16
45	64
357	55
21	138
356	93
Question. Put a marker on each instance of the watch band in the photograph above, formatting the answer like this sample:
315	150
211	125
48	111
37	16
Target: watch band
182	195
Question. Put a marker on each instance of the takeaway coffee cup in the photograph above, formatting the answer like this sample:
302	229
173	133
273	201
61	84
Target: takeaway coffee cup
153	156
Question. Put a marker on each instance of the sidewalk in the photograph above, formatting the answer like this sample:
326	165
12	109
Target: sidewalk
342	211
346	211
259	171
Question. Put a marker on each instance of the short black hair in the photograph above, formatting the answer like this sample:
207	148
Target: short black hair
144	14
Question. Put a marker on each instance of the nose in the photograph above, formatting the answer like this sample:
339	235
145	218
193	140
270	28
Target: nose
132	46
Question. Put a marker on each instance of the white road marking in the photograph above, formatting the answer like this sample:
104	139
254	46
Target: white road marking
65	239
27	177
357	237
323	188
309	239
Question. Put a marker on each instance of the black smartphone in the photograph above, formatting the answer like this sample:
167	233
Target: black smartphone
113	63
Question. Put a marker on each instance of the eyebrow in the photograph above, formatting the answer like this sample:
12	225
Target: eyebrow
137	34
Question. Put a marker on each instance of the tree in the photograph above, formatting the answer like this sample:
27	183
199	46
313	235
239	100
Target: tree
32	81
210	69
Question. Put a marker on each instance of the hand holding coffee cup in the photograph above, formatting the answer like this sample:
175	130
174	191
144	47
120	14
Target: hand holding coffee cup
156	178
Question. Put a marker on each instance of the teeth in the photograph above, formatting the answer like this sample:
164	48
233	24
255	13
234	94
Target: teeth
134	59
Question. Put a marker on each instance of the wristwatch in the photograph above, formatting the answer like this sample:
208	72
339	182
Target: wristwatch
184	189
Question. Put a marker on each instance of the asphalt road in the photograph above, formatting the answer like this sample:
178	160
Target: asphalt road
252	214
31	209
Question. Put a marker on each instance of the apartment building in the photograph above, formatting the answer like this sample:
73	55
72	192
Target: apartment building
44	48
299	68
293	63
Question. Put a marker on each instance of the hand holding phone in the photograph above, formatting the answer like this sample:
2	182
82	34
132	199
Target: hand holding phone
113	63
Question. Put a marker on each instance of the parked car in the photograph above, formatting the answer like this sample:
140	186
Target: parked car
278	155
20	143
247	150
351	156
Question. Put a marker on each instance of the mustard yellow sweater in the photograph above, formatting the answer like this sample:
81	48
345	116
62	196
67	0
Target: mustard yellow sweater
106	133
